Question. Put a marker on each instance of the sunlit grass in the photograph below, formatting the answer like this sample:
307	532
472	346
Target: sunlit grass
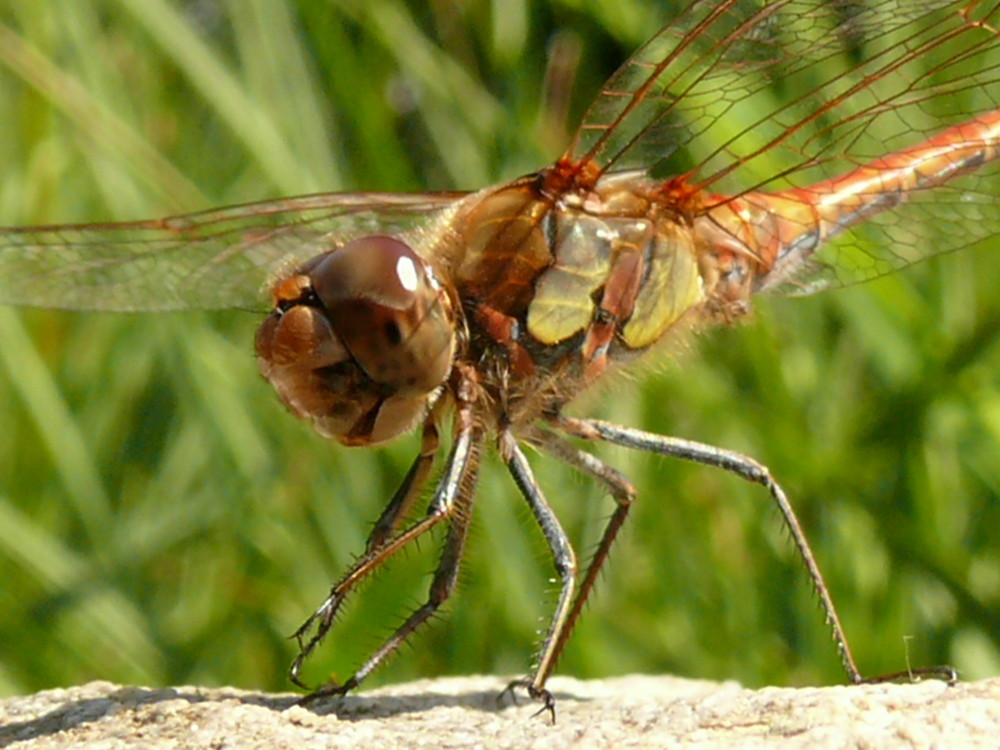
164	521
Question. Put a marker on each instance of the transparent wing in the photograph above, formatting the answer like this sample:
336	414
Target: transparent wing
216	259
741	95
931	222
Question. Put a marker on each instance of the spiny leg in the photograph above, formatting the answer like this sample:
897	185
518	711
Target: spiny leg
563	558
457	506
623	492
753	471
743	466
410	488
462	461
322	619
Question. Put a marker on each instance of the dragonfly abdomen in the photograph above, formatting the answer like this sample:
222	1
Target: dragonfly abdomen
784	229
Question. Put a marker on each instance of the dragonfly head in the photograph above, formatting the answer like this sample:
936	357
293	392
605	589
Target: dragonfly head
359	341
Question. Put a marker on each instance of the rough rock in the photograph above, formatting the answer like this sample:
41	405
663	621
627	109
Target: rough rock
627	712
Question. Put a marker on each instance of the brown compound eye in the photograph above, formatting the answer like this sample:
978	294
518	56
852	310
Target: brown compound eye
390	314
359	340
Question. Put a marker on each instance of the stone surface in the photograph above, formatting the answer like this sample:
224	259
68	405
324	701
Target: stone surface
627	712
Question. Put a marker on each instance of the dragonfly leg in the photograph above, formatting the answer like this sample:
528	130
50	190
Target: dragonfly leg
743	466
564	560
410	488
442	585
622	491
452	503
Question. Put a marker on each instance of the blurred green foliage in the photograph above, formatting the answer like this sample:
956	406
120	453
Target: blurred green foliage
163	521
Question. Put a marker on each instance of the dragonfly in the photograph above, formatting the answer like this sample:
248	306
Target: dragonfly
689	187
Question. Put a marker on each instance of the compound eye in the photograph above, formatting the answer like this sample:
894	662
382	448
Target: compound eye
390	314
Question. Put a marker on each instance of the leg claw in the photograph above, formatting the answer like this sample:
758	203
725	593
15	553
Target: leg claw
536	693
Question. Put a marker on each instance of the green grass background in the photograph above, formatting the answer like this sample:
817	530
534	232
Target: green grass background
163	521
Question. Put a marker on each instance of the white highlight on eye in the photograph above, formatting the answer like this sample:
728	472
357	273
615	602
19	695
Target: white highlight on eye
406	272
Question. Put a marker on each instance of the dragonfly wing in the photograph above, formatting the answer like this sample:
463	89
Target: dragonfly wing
930	222
741	96
732	85
216	259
